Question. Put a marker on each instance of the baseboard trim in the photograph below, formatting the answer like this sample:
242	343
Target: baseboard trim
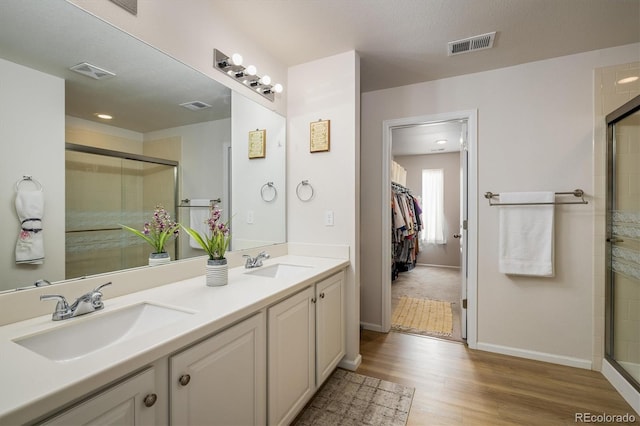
628	392
351	365
372	327
537	356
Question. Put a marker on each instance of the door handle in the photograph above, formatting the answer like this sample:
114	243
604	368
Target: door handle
457	235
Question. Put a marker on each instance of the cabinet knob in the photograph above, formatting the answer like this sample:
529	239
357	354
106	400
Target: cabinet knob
184	379
150	400
322	295
313	300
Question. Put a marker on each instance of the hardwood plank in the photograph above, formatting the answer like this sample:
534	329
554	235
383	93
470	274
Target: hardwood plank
459	386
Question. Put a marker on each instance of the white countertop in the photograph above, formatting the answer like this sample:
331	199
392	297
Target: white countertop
33	385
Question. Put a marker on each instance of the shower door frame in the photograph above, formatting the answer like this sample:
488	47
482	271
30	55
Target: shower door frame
611	120
136	157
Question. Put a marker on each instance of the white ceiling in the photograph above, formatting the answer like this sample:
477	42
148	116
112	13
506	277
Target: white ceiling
423	139
403	42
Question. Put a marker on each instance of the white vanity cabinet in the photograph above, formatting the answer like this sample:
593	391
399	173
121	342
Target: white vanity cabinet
306	342
131	402
221	380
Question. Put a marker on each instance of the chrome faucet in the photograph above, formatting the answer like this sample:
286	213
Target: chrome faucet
88	302
255	262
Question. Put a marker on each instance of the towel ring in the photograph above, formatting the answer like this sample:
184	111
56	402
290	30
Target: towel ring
29	179
275	192
302	184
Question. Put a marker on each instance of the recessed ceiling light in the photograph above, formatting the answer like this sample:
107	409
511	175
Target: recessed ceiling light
441	141
103	116
628	79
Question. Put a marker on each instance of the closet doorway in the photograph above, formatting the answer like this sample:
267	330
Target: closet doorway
433	266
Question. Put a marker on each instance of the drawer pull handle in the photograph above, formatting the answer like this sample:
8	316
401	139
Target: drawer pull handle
313	300
150	400
184	379
321	295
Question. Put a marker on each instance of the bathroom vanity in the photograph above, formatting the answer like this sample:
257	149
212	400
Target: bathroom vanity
251	352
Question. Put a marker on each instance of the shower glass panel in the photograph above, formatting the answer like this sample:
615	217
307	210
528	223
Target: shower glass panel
623	241
104	191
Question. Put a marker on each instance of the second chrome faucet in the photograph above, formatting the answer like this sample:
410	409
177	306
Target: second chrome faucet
88	302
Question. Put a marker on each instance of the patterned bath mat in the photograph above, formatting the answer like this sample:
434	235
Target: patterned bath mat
422	316
347	398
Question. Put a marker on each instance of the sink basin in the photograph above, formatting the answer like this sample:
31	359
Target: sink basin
279	270
87	334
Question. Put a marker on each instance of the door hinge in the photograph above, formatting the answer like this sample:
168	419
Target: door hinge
464	224
464	303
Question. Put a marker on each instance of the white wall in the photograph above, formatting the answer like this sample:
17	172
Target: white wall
535	127
327	89
31	121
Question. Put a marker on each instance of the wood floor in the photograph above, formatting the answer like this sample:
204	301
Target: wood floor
459	386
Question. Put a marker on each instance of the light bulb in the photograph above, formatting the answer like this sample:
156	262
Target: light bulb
628	80
266	80
278	88
236	58
251	70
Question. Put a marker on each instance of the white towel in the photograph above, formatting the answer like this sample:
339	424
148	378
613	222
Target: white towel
526	234
198	215
30	243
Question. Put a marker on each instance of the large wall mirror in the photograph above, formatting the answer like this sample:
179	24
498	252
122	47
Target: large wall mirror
177	138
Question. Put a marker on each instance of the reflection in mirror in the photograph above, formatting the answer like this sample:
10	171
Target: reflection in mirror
160	108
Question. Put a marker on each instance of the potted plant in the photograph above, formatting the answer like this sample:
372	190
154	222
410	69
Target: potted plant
160	230
215	244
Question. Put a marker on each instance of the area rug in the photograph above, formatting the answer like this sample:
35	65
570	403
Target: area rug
348	398
422	316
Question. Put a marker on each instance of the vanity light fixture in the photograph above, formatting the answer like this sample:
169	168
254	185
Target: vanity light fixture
232	66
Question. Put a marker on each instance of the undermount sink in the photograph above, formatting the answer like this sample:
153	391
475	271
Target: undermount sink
279	270
77	339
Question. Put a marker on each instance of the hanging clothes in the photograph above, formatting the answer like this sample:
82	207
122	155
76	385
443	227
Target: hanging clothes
406	225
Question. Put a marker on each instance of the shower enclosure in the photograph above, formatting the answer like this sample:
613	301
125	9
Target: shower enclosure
106	189
622	329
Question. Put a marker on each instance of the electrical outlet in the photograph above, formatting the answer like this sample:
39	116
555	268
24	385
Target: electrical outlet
250	216
328	218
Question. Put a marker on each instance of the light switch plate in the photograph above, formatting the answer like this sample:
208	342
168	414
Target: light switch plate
328	218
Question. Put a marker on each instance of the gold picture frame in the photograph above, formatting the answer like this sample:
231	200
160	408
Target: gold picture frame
257	143
320	136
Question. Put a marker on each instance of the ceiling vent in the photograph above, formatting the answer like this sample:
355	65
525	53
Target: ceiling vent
480	42
92	71
195	105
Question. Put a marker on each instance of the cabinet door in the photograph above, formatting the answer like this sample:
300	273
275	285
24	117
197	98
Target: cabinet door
128	403
291	356
330	325
222	380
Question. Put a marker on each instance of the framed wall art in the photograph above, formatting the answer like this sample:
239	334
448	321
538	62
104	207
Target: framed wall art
257	143
320	136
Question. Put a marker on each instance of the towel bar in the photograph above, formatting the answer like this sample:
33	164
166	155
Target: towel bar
576	193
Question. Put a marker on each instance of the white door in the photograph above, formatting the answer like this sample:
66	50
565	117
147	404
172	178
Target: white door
462	233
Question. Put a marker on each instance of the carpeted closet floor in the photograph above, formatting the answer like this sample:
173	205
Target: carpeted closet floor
431	282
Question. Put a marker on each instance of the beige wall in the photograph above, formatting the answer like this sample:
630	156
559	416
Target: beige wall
447	254
535	133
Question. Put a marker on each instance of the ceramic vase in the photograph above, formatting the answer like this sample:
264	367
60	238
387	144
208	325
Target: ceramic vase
217	272
159	258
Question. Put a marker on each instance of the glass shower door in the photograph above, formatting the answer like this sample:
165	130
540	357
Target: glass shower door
623	241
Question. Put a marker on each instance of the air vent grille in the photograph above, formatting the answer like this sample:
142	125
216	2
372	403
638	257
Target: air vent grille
480	42
195	105
92	71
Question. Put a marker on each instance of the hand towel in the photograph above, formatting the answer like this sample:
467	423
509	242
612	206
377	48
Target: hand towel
526	234
30	243
198	215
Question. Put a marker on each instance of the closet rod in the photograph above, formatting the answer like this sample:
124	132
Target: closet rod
399	187
579	193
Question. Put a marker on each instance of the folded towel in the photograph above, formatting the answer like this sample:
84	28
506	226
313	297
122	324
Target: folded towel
198	215
30	244
526	234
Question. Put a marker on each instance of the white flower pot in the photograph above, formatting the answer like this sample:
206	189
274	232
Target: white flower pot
217	272
159	258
